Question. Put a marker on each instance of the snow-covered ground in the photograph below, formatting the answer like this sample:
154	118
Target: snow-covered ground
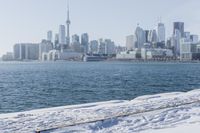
162	113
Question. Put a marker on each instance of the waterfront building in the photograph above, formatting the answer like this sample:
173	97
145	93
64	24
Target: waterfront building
17	51
8	56
130	42
44	47
156	53
93	47
51	55
180	27
189	50
120	49
140	37
71	55
161	32
62	39
129	55
198	48
185	50
85	42
26	51
49	36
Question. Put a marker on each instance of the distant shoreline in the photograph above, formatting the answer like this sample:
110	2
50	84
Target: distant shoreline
113	60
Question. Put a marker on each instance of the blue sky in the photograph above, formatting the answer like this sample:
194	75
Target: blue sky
29	20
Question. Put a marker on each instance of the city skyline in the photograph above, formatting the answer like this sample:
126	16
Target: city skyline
31	25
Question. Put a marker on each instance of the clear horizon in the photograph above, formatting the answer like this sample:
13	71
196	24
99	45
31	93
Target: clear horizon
29	20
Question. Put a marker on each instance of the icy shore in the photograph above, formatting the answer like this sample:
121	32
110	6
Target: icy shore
162	113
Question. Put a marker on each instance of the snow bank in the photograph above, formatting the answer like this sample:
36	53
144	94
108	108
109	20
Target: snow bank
169	112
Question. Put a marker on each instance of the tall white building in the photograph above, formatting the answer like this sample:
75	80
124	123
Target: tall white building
62	38
140	37
161	32
130	42
49	36
185	50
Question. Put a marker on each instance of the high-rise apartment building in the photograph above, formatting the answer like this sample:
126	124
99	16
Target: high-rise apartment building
179	26
62	39
130	42
140	37
161	32
85	42
49	36
26	51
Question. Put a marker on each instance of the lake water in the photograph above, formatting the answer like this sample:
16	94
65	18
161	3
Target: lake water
27	86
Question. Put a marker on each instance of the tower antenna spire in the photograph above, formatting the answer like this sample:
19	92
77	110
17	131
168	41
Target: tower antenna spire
68	22
68	9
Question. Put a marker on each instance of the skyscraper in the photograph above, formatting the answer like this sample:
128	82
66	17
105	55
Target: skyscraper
85	42
177	37
49	36
179	26
62	40
161	32
56	42
130	42
68	22
146	32
140	37
152	37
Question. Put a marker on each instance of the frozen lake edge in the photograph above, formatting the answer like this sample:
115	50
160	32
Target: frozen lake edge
155	113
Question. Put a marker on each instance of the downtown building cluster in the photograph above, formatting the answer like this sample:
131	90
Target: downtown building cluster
153	45
62	46
141	45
